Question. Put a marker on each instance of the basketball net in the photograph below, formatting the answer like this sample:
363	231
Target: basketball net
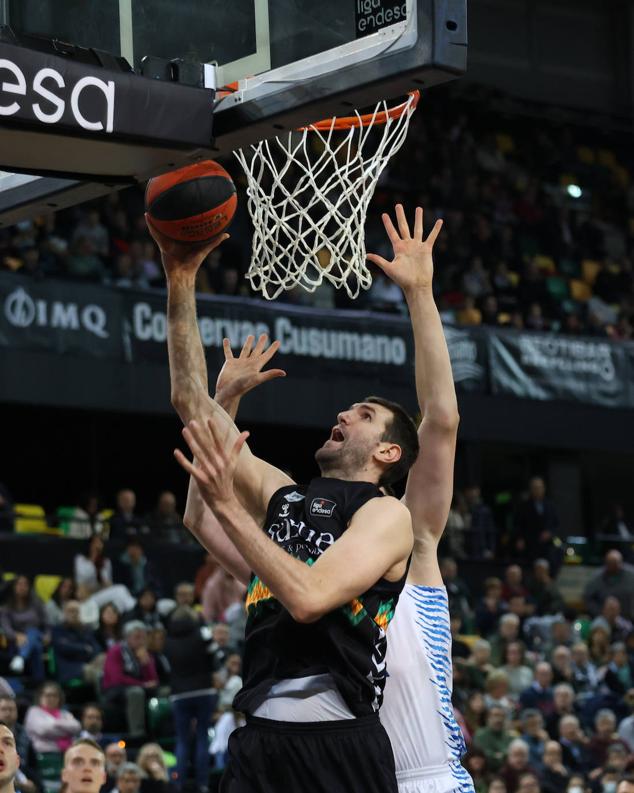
308	193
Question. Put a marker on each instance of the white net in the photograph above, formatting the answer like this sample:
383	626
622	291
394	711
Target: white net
308	194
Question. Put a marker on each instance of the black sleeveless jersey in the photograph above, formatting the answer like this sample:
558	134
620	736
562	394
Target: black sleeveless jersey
349	643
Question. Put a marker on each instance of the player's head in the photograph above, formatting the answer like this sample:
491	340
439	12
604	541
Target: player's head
84	768
375	439
9	759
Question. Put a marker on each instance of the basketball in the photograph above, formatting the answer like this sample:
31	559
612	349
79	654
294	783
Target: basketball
192	204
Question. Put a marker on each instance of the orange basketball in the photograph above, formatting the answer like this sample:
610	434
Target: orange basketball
192	204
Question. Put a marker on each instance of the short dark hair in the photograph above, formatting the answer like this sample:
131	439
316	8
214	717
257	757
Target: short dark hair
402	431
90	706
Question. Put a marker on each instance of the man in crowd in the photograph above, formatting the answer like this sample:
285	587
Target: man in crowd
116	756
164	521
536	526
615	578
540	693
92	723
129	778
494	739
125	522
74	644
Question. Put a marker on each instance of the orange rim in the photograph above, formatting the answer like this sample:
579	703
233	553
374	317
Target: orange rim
347	122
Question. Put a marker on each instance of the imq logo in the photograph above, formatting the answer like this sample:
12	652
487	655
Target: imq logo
22	311
48	94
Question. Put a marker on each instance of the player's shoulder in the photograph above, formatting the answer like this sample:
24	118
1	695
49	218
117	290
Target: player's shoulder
388	508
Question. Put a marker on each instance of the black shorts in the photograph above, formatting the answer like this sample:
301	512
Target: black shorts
351	756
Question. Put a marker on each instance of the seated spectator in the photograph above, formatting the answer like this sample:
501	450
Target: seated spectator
83	263
228	722
129	675
207	569
87	519
543	591
145	610
494	739
529	783
457	591
625	784
184	594
93	574
221	591
599	642
475	711
496	785
626	727
54	608
513	583
125	522
540	693
129	778
561	662
617	759
476	764
479	665
608	779
116	756
483	534
620	628
458	522
615	578
554	776
520	676
164	521
605	736
76	649
50	727
619	674
137	572
497	692
152	763
156	646
563	705
92	724
110	626
574	744
508	631
490	608
23	622
228	681
459	649
517	763
23	745
92	229
533	734
577	784
585	678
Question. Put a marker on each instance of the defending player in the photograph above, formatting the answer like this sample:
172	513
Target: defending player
315	639
9	759
84	768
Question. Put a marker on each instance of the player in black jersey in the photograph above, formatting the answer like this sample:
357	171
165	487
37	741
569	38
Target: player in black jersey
333	556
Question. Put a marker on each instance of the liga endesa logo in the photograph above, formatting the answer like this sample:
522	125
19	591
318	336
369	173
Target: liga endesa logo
322	507
51	93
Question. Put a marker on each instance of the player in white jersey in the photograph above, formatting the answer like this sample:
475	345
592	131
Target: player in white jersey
417	711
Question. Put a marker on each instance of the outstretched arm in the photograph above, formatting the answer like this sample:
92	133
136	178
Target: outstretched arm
237	377
256	480
341	573
429	486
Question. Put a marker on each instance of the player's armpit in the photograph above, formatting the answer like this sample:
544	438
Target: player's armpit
376	544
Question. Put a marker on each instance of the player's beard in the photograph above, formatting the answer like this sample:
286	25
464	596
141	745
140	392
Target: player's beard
344	461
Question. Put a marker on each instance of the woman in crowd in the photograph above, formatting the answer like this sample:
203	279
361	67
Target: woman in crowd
54	608
519	674
145	610
476	764
50	727
110	624
23	622
93	575
151	761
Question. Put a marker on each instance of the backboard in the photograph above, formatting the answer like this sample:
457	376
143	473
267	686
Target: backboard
288	62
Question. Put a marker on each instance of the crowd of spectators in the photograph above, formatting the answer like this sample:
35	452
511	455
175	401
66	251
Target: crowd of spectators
539	226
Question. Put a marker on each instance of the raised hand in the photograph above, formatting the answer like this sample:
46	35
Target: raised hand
412	267
216	466
181	257
240	375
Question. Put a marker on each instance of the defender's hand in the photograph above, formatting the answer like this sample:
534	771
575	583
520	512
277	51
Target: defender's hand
181	257
240	375
412	267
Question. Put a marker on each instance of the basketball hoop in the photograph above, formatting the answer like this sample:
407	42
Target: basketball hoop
308	194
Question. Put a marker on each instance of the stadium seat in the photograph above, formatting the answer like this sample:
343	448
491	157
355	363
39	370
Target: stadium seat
579	290
30	519
546	264
557	287
45	585
589	270
64	516
49	765
569	268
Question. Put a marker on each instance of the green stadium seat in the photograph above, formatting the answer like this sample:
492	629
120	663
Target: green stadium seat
557	287
49	765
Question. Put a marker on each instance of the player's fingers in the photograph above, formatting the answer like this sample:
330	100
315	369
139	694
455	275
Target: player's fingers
418	224
378	260
261	344
434	233
240	441
199	445
270	352
271	374
246	347
403	225
226	346
186	464
392	233
208	247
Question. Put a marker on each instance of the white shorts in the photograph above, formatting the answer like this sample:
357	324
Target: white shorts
436	780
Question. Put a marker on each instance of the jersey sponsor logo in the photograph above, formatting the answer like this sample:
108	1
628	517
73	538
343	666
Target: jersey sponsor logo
288	530
322	507
285	510
294	496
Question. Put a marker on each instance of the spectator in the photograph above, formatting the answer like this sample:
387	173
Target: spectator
125	522
82	263
457	591
585	678
543	591
23	622
221	591
496	785
137	572
513	585
129	675
563	705
554	775
520	676
116	757
458	522
540	693
534	735
490	608
87	519
573	743
619	675
92	724
145	610
50	727
599	642
561	662
228	681
620	628
184	594
605	736
508	632
517	763
529	783
625	784
226	724
626	727
536	526
207	569
494	739
459	649
164	521
152	763
475	711
497	691
476	764
54	608
482	534
479	665
616	579
92	229
76	649
156	646
110	625
93	574
129	778
617	758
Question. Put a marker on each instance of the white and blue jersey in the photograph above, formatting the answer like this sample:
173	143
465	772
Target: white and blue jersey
417	711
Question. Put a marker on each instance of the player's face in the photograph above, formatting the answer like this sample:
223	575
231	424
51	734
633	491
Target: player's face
9	760
84	769
354	439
